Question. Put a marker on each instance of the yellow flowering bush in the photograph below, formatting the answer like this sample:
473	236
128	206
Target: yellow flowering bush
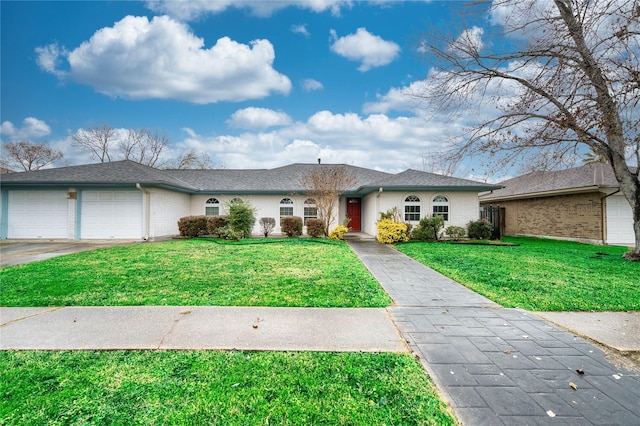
390	232
338	232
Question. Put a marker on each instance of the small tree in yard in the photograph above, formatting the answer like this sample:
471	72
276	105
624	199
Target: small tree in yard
241	218
267	225
325	185
560	78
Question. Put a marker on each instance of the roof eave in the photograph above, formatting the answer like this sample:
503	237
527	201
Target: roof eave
551	193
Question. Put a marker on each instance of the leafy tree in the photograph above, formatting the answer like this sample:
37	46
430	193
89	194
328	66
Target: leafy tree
565	80
28	156
241	217
325	184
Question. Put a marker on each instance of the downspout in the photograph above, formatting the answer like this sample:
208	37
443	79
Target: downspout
146	205
603	209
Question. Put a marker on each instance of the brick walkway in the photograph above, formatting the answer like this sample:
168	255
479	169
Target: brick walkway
498	366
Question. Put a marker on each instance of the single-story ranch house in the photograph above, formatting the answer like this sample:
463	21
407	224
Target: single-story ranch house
127	200
582	204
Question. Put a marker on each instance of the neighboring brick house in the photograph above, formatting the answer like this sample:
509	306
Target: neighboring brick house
127	200
582	204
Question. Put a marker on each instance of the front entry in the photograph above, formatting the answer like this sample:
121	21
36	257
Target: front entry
354	212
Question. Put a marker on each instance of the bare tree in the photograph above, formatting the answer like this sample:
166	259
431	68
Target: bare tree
566	78
325	184
144	146
192	159
98	142
29	156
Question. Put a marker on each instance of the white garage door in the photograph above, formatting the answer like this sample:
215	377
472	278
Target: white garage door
619	221
111	214
37	214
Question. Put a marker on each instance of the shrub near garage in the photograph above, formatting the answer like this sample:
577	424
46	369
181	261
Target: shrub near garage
192	226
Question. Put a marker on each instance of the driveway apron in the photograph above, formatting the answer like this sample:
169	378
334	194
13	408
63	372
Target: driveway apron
499	366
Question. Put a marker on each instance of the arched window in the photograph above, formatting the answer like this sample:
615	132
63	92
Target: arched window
286	207
310	210
441	206
412	208
212	207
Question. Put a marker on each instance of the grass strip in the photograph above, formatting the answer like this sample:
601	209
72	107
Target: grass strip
211	387
539	274
279	273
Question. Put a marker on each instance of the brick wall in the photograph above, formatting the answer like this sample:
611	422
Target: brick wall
576	216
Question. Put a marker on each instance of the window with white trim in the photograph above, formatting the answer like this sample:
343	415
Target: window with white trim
286	207
212	207
310	210
441	206
412	208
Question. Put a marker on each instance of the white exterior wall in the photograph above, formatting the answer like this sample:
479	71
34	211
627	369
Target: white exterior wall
463	207
619	221
265	205
165	208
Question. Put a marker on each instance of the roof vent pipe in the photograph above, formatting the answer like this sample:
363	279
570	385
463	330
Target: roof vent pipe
319	159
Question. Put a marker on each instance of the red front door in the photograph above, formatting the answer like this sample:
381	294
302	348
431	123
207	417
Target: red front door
354	212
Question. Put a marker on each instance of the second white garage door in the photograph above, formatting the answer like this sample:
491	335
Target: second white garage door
619	221
111	214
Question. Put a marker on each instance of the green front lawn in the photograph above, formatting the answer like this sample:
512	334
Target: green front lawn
212	387
287	272
539	274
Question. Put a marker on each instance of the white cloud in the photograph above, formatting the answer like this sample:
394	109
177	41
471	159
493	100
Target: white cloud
310	85
398	99
470	40
163	59
300	29
31	128
258	118
192	9
376	141
371	50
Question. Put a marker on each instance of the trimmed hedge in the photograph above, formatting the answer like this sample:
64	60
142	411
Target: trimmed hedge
390	232
291	225
315	228
215	224
338	232
193	226
479	229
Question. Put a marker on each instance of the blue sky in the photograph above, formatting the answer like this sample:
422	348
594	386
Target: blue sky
253	84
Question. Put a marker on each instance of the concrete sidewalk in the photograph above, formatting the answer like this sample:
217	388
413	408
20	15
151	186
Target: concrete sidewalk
199	327
498	366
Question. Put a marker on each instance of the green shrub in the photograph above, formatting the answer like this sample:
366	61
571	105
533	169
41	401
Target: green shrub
479	229
428	229
267	225
215	223
241	218
291	225
228	233
390	232
192	226
394	214
455	232
315	228
338	232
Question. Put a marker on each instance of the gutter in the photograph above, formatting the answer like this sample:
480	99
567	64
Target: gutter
146	206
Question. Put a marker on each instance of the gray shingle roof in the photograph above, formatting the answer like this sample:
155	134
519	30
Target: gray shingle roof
116	172
285	179
598	175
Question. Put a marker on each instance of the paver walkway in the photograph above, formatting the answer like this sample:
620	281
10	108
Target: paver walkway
498	366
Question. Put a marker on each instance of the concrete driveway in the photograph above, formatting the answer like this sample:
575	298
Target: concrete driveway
18	252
